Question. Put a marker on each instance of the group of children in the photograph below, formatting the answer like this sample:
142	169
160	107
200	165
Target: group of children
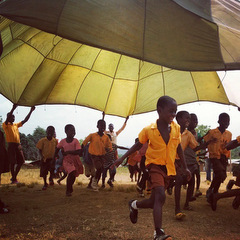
166	155
171	161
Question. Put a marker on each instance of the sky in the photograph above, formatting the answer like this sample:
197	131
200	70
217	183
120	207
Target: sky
85	119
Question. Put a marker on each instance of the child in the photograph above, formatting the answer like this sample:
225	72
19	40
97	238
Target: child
88	165
193	124
71	150
59	171
13	139
217	153
4	163
164	142
47	147
99	145
230	192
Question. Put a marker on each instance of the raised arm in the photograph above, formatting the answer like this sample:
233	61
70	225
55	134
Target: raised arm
133	149
29	114
9	115
123	126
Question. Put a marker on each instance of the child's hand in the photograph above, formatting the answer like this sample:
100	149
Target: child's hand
188	173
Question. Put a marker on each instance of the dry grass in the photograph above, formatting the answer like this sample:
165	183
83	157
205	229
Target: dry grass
37	214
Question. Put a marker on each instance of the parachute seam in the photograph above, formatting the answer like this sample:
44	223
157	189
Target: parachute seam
66	64
112	83
195	87
87	75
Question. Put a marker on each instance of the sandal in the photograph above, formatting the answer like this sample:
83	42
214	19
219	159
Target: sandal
180	216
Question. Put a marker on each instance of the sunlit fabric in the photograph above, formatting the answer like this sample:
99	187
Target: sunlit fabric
190	35
41	68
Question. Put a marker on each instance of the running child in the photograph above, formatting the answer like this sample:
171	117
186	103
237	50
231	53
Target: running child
47	147
230	192
15	155
218	154
164	143
99	145
71	150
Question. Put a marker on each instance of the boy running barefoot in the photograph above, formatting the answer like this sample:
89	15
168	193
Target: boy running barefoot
164	143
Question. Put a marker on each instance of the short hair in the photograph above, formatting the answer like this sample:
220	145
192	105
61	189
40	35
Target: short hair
68	126
164	100
180	114
110	124
50	128
223	116
101	121
9	114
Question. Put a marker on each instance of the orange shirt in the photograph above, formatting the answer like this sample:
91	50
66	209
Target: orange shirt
218	148
187	139
158	152
98	144
11	131
47	147
134	158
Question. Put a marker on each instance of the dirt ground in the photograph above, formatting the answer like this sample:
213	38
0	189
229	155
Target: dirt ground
37	214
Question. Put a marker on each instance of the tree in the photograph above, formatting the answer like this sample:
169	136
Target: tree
202	129
29	143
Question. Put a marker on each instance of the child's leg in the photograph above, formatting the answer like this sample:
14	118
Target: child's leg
62	177
177	193
190	191
70	181
198	178
112	173
214	197
104	175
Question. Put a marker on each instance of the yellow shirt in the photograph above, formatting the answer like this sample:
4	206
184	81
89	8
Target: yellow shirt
98	144
47	147
158	152
11	132
218	148
187	139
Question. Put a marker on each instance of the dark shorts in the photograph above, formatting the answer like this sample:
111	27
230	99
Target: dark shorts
158	176
220	167
15	154
48	166
98	161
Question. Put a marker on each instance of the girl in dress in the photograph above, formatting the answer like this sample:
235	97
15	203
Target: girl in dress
71	150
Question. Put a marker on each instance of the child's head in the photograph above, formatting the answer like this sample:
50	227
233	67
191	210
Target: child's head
50	131
194	121
183	119
110	127
70	130
166	108
224	120
101	125
10	117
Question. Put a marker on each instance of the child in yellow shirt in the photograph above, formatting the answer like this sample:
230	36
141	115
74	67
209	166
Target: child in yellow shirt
47	147
164	143
218	154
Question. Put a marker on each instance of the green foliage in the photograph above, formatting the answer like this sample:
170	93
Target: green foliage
80	141
29	143
202	129
235	153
